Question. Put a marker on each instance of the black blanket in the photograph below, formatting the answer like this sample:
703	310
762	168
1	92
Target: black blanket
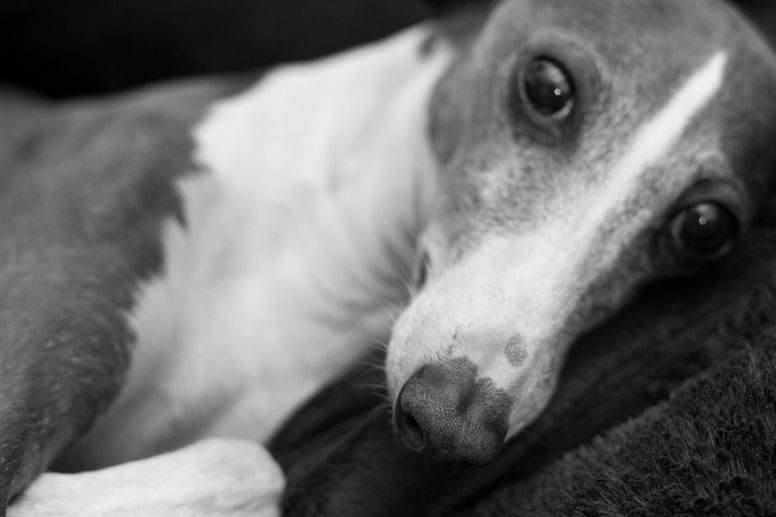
670	409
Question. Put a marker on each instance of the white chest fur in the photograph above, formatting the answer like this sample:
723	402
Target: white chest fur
299	225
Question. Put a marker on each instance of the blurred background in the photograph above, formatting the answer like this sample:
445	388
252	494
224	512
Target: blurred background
76	47
81	47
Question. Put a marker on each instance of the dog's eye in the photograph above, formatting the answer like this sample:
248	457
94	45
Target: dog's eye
704	231
548	88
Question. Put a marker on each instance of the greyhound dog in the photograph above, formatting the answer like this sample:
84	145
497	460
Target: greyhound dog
524	165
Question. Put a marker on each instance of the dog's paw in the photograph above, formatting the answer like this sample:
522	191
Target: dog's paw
213	477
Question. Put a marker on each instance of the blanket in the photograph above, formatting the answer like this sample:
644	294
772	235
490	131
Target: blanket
670	409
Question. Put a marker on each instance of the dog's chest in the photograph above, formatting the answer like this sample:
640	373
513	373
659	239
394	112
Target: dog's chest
290	258
244	322
239	329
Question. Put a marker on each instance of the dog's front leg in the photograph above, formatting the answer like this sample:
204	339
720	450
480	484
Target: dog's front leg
212	477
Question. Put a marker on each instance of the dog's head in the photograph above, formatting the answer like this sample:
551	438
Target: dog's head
584	149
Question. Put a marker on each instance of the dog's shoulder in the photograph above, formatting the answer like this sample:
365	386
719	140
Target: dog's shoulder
84	189
84	170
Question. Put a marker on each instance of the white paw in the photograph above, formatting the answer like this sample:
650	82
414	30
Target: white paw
213	477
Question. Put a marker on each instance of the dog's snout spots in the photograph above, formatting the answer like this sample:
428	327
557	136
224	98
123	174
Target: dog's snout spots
447	413
515	351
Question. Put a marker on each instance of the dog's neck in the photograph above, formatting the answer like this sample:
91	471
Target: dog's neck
346	139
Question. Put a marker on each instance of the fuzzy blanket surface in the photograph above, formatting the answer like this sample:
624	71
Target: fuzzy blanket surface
670	409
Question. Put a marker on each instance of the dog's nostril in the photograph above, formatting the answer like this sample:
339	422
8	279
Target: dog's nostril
413	434
409	429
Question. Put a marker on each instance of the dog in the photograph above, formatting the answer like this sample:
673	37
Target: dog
184	265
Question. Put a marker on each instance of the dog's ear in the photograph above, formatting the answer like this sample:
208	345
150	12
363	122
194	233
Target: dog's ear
459	21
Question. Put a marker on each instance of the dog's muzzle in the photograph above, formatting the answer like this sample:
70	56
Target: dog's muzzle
445	412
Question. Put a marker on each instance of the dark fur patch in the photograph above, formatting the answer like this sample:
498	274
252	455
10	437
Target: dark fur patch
515	351
83	194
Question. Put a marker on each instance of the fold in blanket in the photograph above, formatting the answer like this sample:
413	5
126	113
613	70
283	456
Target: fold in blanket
691	363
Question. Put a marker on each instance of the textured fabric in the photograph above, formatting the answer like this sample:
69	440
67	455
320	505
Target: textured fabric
710	450
667	410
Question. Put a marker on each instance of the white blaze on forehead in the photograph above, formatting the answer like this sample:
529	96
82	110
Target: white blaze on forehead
548	280
551	272
657	137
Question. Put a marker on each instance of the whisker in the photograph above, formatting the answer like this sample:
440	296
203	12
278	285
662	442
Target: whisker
374	363
393	310
373	368
379	391
386	401
376	344
380	388
409	283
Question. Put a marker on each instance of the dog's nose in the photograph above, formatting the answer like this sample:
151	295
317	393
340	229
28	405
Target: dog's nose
451	416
